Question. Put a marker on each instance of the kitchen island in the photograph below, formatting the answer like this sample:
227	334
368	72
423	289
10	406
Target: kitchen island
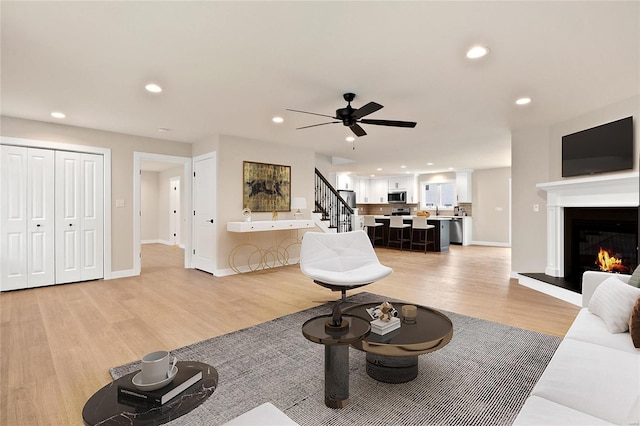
441	232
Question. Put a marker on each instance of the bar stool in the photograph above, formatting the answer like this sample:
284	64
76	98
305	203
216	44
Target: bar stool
399	226
370	223
420	224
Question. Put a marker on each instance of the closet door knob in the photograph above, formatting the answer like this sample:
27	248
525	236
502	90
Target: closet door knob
38	225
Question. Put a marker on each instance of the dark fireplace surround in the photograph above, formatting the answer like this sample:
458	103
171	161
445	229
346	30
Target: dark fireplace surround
588	230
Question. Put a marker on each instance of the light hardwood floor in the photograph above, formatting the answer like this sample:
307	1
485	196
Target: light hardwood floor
57	343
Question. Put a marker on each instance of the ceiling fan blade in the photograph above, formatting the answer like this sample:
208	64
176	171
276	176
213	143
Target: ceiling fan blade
359	131
367	109
313	113
316	125
394	123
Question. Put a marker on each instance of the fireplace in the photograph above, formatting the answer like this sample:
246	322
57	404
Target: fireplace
599	239
606	193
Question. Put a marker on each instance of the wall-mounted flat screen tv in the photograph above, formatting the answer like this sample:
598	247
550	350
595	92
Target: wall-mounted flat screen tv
604	148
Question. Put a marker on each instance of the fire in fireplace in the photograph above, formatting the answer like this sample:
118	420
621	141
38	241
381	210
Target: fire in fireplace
608	263
600	239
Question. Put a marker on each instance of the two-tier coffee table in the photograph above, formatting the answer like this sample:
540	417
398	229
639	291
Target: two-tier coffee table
393	357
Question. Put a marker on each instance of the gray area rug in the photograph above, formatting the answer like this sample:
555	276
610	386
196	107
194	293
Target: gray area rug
482	377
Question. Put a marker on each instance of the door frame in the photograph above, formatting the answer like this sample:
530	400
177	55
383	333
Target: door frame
106	154
186	193
180	214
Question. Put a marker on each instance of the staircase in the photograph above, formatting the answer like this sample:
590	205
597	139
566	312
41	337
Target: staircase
331	213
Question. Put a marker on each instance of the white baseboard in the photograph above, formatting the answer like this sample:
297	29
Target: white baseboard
165	242
122	274
549	289
489	243
248	268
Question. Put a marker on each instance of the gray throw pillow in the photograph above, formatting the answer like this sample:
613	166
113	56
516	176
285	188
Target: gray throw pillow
635	278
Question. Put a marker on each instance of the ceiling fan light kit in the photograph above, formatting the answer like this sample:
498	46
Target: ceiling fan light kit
350	117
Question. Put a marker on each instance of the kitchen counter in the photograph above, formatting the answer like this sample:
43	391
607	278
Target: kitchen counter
441	230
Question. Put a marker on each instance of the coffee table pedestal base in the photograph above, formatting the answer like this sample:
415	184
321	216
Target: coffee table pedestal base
336	376
392	369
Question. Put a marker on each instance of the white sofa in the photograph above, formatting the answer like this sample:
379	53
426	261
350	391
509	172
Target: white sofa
594	376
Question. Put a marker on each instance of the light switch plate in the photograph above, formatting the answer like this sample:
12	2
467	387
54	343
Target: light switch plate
119	203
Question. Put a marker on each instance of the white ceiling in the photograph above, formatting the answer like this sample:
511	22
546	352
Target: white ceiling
228	67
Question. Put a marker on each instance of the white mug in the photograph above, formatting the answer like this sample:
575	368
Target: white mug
155	367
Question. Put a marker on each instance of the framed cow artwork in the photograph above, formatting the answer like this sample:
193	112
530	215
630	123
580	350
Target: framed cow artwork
266	187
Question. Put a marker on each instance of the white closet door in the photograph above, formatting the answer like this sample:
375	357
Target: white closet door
68	250
91	217
204	202
40	217
174	211
27	218
79	217
13	218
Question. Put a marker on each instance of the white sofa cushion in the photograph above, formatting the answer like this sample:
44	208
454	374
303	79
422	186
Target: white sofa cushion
263	415
613	301
588	327
593	379
540	411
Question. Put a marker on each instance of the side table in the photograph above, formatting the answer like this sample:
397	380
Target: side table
336	341
105	408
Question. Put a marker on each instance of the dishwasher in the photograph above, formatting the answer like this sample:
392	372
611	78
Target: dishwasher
455	231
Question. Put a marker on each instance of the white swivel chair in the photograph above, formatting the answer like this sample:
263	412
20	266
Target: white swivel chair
371	226
397	224
419	224
340	261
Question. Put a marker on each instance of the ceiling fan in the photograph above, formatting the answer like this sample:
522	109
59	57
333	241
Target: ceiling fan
350	117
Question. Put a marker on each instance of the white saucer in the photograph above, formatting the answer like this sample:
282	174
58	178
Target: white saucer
137	381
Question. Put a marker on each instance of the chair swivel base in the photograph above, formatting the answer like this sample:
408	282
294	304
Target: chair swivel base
340	288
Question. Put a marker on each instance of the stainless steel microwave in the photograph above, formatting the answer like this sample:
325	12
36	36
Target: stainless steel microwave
397	197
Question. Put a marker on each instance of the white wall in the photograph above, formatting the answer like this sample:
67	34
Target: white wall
536	158
491	206
149	206
232	151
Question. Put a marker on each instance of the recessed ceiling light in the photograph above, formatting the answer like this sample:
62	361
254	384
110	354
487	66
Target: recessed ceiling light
350	139
523	101
163	129
408	173
429	164
379	169
277	119
403	167
451	168
153	88
477	52
57	114
373	175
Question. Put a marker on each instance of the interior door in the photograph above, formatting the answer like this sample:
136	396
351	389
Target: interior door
92	217
40	217
26	217
79	217
204	211
13	218
174	211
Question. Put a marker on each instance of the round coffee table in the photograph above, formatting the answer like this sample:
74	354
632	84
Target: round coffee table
393	357
104	407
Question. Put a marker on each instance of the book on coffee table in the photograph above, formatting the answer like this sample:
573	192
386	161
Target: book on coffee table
185	377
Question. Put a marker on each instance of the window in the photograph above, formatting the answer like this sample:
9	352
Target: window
442	195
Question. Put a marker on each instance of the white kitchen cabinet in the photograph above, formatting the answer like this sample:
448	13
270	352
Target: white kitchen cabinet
463	186
397	183
344	181
361	186
413	195
380	190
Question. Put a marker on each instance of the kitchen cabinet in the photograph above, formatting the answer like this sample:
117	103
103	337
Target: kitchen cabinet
361	186
463	186
398	183
344	181
380	189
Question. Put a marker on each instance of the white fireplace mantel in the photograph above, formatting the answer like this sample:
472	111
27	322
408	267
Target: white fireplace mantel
619	190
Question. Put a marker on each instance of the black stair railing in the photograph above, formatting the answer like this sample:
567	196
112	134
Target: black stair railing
332	206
